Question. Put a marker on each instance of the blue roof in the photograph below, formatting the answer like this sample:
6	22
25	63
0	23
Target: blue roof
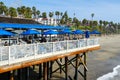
30	32
29	26
5	33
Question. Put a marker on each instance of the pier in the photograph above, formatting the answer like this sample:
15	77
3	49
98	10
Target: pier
18	58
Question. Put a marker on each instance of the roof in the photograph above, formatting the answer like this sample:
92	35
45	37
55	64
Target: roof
29	26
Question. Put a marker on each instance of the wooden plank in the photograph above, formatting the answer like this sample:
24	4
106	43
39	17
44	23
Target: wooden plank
38	61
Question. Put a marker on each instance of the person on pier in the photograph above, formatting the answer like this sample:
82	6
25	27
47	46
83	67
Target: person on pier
5	44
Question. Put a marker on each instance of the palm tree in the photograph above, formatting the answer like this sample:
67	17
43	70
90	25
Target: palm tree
19	11
100	22
70	20
50	15
5	10
65	17
92	15
34	11
62	21
105	23
44	15
77	24
38	13
12	12
23	9
1	7
57	16
94	23
1	4
61	14
28	12
84	22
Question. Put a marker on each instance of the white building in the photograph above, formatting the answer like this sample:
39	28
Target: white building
47	21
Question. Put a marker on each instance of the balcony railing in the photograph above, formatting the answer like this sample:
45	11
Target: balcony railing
20	53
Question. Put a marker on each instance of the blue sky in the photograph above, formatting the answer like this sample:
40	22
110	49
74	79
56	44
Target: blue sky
103	9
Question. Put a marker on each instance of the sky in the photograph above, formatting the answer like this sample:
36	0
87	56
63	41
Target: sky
108	10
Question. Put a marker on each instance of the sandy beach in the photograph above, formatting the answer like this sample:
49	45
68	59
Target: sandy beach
103	61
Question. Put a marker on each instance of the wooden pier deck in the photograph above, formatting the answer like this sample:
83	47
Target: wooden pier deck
45	61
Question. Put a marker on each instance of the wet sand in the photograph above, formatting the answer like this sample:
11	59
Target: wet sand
103	61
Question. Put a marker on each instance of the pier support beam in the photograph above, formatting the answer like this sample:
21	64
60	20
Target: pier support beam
66	68
51	66
76	68
40	71
27	73
44	71
11	75
85	70
61	66
48	71
20	74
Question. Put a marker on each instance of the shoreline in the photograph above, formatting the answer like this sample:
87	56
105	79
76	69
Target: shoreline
103	61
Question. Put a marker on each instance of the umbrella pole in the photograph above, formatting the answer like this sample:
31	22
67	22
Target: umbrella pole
50	38
9	40
32	39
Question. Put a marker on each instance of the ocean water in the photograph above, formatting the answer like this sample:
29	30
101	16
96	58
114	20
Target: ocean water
115	75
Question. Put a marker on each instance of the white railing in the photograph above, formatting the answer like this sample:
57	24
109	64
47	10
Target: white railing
19	53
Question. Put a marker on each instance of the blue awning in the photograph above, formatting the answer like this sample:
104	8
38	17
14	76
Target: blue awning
30	32
5	33
29	26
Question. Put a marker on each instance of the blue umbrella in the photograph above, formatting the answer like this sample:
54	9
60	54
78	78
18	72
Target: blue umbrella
95	32
30	32
50	32
78	32
5	33
66	31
